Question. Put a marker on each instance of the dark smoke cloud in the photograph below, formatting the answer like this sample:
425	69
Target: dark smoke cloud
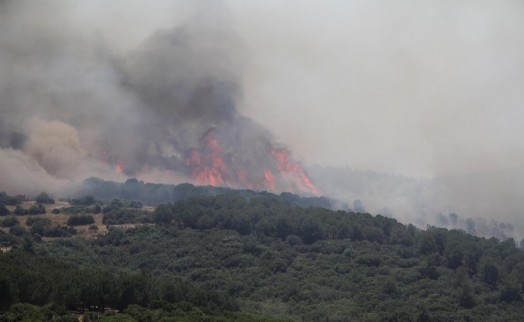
188	80
167	110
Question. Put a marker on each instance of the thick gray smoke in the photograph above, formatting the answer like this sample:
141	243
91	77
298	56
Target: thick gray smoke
73	108
60	96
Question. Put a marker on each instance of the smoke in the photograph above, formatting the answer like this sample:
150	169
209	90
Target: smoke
485	204
176	91
426	93
76	107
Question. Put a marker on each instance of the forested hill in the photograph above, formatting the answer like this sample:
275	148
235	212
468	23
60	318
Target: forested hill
156	193
227	257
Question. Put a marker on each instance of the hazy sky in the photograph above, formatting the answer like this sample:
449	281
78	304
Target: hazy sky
405	87
419	88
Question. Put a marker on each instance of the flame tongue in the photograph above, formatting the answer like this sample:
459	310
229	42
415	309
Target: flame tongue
208	163
294	172
278	172
269	180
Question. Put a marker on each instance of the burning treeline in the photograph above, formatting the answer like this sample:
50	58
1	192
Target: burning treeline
72	108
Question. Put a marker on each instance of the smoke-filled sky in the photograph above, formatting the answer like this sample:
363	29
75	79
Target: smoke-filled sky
408	87
420	89
405	87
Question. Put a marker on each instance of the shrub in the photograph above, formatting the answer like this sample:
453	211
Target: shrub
31	221
84	201
3	210
21	211
17	230
56	231
9	221
37	210
7	200
44	198
80	220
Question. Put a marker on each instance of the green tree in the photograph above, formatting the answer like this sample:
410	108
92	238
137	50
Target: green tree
3	210
20	211
163	215
9	221
80	220
44	198
490	274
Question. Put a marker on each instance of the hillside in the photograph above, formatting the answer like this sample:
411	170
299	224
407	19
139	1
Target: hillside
484	204
231	256
155	193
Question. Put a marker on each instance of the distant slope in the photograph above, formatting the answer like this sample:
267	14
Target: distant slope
153	193
484	203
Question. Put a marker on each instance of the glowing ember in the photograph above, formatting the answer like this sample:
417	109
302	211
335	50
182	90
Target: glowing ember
120	167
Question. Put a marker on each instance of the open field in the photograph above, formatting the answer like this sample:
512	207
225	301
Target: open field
60	219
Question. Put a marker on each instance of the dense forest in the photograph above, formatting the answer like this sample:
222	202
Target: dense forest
237	256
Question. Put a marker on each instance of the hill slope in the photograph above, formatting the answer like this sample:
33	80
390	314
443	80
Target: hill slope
264	256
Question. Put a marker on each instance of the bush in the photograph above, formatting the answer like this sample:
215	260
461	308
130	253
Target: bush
37	210
44	198
135	204
84	201
3	210
125	216
56	231
17	230
80	220
38	228
31	221
7	240
21	211
369	260
27	312
9	221
163	215
7	200
75	210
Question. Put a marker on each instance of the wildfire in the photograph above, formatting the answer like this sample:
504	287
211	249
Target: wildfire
208	164
120	167
211	165
293	170
269	180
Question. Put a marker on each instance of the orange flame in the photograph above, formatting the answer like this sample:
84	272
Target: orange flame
269	180
294	171
120	167
208	166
